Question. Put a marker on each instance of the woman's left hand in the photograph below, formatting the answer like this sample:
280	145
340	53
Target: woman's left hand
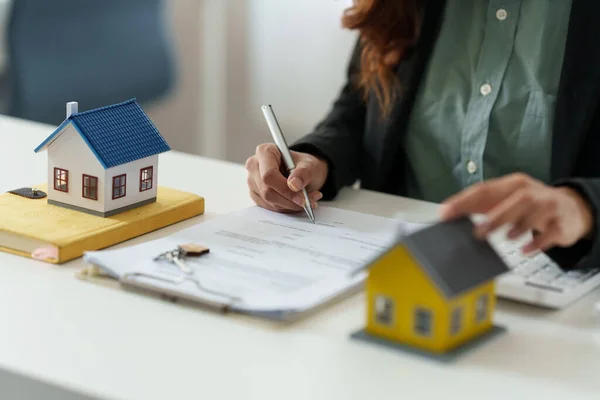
558	216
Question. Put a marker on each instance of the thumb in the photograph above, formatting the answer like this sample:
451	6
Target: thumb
300	177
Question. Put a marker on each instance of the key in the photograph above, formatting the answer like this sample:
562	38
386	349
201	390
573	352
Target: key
188	250
174	257
178	255
178	259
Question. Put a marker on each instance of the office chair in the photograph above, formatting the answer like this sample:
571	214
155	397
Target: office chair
94	52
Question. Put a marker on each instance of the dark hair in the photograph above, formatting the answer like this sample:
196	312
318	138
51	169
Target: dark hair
387	29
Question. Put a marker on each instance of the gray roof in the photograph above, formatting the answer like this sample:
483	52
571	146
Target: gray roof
455	260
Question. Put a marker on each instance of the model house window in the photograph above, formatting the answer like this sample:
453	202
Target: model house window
423	321
456	320
119	186
61	180
145	179
481	308
384	310
90	187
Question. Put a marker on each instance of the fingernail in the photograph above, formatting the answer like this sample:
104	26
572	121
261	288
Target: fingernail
315	205
299	200
295	184
318	196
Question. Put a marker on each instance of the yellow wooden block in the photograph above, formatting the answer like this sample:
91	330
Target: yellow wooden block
28	224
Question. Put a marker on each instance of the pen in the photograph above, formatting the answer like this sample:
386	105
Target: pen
285	153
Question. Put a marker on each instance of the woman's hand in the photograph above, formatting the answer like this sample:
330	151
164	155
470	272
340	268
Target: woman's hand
271	190
558	216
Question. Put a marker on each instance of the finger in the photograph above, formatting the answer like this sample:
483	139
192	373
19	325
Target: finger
511	211
259	190
313	198
269	162
544	240
301	176
255	196
272	200
482	197
537	220
261	202
516	231
269	170
275	198
275	207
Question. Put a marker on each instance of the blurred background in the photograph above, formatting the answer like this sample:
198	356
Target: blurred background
200	68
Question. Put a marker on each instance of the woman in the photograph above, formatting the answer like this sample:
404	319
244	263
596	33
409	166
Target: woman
486	106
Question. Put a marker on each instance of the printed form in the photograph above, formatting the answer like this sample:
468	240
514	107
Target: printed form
263	261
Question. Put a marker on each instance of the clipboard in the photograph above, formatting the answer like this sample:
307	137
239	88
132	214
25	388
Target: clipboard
255	260
96	275
128	283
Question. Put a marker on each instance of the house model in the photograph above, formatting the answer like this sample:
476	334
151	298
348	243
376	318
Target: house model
433	291
104	161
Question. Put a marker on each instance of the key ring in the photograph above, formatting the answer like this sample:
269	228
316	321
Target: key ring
168	255
181	253
175	257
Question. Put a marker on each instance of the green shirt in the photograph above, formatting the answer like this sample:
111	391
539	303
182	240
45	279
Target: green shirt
486	105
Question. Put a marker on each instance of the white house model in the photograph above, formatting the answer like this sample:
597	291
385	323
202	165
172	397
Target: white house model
104	161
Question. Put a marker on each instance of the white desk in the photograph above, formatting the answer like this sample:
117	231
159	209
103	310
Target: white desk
122	345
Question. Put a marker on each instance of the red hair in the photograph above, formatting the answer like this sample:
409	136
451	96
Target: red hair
387	29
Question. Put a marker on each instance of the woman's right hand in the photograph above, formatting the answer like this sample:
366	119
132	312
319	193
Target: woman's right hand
271	190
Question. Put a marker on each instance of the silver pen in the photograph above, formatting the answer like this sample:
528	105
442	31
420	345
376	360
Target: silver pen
285	153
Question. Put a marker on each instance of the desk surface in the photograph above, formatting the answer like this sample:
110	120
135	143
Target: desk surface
113	344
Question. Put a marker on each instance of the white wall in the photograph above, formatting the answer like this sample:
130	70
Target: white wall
177	116
70	152
235	55
290	54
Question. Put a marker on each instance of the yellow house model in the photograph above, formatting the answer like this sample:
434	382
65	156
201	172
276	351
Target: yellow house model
433	291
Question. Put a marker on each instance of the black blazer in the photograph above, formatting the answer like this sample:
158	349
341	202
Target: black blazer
359	145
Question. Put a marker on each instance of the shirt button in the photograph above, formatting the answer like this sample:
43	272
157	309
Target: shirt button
501	14
485	89
471	167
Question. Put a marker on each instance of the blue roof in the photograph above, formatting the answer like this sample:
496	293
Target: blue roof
116	134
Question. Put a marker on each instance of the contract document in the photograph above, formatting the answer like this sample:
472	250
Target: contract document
261	261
